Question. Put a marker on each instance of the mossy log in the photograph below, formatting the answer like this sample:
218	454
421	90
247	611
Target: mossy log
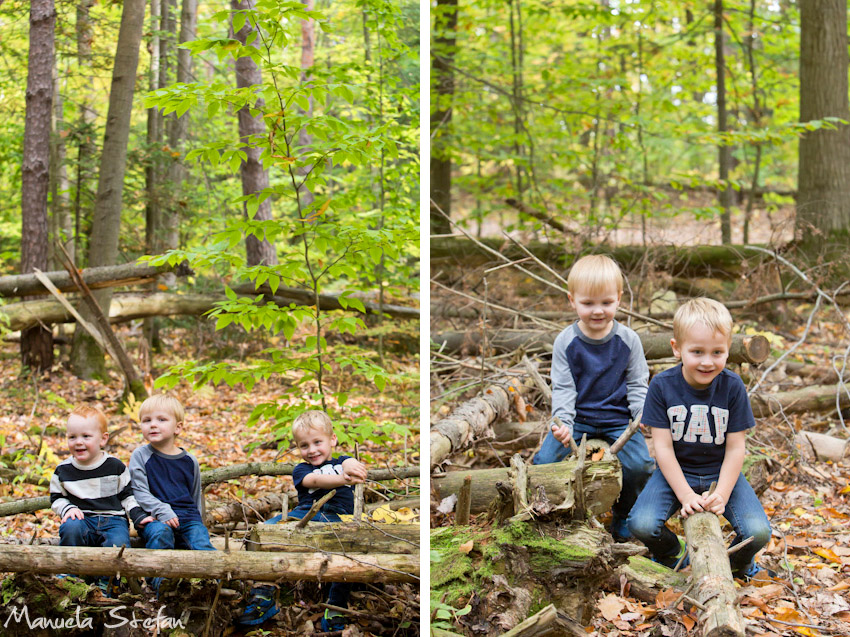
266	567
646	578
602	483
472	419
714	587
347	537
817	398
745	349
727	261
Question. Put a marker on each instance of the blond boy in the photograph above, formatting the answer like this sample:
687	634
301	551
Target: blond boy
599	380
700	413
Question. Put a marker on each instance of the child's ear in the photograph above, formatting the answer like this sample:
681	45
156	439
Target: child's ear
333	440
676	351
570	299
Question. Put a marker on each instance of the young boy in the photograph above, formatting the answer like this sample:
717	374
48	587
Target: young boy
599	380
699	413
167	481
318	475
90	491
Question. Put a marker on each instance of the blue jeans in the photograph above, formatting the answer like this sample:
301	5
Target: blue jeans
657	503
339	592
634	459
95	530
191	535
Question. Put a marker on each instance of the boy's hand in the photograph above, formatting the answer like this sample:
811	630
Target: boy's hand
692	504
353	471
174	523
715	503
146	520
562	434
73	514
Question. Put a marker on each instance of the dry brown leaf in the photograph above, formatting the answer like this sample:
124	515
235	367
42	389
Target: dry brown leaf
466	547
610	606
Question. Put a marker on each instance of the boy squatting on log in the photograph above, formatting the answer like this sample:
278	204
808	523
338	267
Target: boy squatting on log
90	491
699	412
166	481
599	380
314	478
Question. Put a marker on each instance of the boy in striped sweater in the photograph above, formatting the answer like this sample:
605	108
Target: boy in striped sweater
90	491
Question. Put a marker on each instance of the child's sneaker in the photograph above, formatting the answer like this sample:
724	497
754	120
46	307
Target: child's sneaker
260	608
333	620
671	562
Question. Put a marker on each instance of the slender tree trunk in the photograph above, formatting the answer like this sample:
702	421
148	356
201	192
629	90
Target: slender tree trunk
442	59
823	192
61	225
255	178
88	116
37	342
308	52
86	356
724	151
756	119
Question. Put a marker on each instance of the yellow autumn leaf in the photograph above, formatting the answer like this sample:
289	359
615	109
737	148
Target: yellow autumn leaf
466	547
386	515
828	554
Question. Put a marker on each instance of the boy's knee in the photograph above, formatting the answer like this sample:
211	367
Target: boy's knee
643	527
73	532
760	534
159	533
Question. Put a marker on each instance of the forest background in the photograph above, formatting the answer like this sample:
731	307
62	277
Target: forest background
704	145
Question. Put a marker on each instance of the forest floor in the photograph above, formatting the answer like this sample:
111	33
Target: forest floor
806	500
34	412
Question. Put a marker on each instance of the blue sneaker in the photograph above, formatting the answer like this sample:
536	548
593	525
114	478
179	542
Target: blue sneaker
333	620
261	607
619	530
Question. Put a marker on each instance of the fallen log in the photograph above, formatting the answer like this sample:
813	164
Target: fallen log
266	567
346	537
726	261
745	349
646	578
95	278
128	307
814	398
471	420
711	574
221	474
548	622
602	482
816	446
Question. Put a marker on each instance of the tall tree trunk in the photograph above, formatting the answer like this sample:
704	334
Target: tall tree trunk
88	116
37	342
86	356
61	224
823	191
443	88
255	178
724	151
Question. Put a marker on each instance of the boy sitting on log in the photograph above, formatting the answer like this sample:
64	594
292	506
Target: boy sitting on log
317	476
599	380
90	491
167	482
699	412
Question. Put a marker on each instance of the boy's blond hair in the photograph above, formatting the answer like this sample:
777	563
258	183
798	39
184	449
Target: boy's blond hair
313	419
163	401
595	274
708	312
87	411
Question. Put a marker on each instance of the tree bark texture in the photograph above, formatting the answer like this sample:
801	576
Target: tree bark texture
823	199
265	567
724	151
712	577
345	537
37	341
127	307
816	398
548	622
471	420
601	481
255	178
61	226
443	87
745	349
86	357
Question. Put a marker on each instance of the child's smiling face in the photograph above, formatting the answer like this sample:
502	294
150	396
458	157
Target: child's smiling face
315	445
596	310
159	427
703	353
85	439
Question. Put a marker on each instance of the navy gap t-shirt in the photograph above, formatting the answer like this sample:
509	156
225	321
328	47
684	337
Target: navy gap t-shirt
342	502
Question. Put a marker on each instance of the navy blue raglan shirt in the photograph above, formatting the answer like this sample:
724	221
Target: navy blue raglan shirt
167	485
698	419
600	382
342	502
